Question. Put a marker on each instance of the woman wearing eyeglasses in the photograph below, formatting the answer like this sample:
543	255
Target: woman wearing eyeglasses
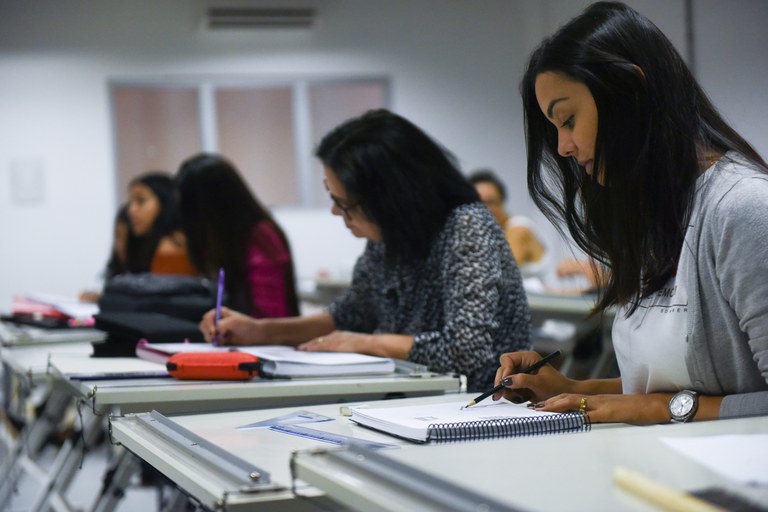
436	283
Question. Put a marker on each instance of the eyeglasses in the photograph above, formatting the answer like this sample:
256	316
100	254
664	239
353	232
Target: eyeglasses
345	210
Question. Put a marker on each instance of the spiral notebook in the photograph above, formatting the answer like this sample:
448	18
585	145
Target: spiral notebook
452	422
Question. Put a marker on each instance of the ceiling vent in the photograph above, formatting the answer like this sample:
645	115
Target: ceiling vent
258	17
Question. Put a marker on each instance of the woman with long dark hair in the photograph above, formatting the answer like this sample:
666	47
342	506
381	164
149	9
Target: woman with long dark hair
147	237
436	284
155	241
227	227
627	152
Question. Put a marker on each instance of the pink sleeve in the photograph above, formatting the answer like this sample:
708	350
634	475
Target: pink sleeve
269	267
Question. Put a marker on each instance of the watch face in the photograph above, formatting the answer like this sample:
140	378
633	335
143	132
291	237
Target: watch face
681	405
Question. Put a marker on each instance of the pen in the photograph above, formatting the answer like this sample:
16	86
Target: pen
508	379
219	294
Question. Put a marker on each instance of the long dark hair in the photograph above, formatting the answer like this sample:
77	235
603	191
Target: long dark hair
141	249
404	181
656	127
118	264
218	213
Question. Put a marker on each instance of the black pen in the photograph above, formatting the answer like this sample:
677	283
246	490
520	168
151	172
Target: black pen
508	379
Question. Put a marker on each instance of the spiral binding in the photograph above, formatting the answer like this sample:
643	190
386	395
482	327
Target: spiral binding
509	427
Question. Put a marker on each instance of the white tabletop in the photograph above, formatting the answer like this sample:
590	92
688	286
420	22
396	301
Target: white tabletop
31	361
556	472
267	449
563	472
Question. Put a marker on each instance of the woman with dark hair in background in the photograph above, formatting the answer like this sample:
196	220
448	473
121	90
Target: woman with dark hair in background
228	228
437	283
147	236
156	243
627	151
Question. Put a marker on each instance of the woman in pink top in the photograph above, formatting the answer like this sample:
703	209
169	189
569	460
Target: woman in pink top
228	228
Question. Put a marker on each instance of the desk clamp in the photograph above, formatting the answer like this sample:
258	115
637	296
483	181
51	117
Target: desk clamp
247	477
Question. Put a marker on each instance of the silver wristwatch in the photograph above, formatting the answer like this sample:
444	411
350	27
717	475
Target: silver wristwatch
683	406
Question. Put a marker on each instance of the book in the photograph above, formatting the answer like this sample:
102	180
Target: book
85	367
451	421
281	360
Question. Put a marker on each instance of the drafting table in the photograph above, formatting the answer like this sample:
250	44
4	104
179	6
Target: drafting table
30	362
17	334
171	396
25	369
560	472
566	307
219	477
26	366
24	354
104	396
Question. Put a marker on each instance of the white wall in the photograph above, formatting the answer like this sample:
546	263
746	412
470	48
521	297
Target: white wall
454	67
732	63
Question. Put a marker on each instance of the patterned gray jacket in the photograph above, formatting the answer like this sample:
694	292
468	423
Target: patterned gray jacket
464	305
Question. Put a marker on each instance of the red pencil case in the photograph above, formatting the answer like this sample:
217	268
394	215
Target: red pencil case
213	365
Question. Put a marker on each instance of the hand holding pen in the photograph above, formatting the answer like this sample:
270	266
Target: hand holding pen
508	379
232	328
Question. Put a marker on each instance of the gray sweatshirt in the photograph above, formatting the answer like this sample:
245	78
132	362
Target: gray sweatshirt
728	289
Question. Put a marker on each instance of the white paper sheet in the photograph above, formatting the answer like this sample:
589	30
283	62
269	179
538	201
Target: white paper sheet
740	457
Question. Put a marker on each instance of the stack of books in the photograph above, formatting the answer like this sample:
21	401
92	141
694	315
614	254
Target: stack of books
280	360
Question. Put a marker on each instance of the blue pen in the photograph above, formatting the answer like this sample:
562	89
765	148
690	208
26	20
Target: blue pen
219	294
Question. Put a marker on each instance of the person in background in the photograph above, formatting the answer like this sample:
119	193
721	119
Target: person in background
227	227
436	284
147	236
627	151
588	269
118	259
528	249
157	244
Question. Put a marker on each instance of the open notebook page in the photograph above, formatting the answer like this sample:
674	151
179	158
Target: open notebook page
413	422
